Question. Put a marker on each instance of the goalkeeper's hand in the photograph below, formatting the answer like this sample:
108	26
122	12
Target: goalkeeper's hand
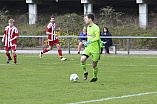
87	43
101	44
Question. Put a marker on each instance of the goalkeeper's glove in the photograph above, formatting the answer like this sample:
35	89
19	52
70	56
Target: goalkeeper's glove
87	43
102	44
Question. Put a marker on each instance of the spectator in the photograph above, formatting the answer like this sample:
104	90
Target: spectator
107	42
83	33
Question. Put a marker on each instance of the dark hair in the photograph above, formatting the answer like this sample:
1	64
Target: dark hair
106	29
90	16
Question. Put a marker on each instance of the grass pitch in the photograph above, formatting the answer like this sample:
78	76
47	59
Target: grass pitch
46	81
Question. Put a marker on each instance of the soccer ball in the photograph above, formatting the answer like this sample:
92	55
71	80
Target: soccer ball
74	77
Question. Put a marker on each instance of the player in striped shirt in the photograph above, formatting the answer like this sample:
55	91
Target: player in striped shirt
52	39
10	40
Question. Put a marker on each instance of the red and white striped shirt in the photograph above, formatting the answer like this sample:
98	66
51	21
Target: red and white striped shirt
51	28
10	33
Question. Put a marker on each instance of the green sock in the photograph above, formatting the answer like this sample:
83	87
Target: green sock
83	65
95	72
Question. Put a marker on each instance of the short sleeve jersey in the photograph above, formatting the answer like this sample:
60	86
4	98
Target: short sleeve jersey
10	33
51	28
93	33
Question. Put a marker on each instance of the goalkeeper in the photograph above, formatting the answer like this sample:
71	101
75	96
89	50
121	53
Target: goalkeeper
92	47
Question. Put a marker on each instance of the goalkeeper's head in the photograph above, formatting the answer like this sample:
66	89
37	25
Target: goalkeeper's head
89	18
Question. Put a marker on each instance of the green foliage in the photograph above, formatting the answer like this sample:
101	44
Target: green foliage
109	16
30	42
148	42
71	24
4	16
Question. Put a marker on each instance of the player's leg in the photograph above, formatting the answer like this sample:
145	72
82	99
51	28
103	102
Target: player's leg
107	47
14	55
83	65
60	53
95	72
84	57
50	43
95	58
101	50
79	47
8	54
59	50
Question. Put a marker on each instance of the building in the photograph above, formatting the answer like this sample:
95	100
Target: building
86	5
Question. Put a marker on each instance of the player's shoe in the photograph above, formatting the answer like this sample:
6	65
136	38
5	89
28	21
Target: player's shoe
107	53
85	76
15	62
63	59
8	61
93	80
40	55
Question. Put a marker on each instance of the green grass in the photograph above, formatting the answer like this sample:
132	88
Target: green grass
46	80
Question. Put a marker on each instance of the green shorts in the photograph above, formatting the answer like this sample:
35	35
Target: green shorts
95	56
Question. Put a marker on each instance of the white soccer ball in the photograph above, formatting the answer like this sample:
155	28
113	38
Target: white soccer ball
74	77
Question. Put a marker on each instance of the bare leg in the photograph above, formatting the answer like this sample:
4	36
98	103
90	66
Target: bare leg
60	53
15	56
79	47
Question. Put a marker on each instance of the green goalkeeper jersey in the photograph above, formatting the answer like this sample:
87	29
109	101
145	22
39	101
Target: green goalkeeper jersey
93	34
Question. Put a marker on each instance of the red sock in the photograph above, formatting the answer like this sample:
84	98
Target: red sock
15	57
60	53
45	50
9	57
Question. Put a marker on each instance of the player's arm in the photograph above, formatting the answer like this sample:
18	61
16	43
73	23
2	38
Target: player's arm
48	33
4	36
14	38
97	37
58	29
16	35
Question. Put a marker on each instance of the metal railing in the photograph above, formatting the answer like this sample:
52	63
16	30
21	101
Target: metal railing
118	37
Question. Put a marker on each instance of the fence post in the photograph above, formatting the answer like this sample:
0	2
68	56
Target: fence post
128	45
69	45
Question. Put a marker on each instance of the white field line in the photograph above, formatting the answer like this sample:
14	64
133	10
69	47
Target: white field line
119	65
110	98
9	64
4	64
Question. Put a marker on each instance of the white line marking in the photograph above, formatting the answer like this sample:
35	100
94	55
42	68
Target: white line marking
10	64
29	56
123	65
16	63
4	64
152	65
110	98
